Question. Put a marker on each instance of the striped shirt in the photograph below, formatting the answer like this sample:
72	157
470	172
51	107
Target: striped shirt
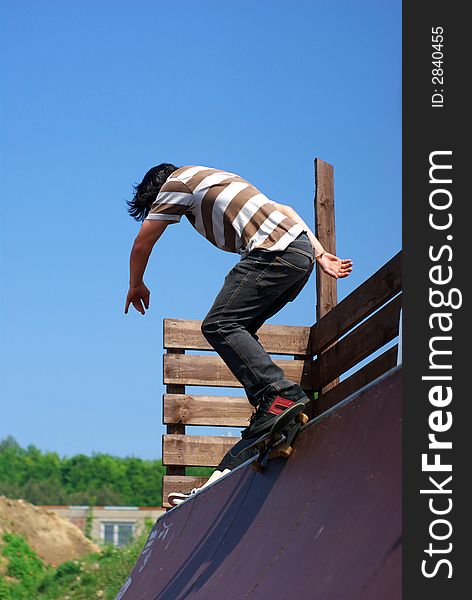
226	209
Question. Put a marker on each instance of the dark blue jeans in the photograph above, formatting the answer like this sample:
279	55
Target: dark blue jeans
260	285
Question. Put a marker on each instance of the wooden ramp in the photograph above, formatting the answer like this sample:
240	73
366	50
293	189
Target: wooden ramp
324	525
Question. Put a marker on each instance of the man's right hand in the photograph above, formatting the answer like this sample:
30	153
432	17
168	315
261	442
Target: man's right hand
138	297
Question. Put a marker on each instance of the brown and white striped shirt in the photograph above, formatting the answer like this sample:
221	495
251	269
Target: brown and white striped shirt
226	209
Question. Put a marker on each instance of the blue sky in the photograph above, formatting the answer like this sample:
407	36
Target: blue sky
94	94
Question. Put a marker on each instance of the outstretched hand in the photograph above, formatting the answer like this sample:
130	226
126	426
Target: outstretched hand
334	266
139	298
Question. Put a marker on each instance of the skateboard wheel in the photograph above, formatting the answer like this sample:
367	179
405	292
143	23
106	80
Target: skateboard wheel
285	452
257	467
302	418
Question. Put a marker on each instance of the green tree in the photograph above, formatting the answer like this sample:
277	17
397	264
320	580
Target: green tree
100	479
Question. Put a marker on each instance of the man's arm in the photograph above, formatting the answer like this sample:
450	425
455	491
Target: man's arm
329	263
138	293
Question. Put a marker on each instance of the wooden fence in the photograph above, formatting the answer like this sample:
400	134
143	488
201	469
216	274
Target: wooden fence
316	356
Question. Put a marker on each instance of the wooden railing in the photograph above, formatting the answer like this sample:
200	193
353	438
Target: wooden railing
345	336
181	408
353	330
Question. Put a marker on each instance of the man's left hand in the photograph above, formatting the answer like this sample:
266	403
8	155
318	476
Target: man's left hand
334	266
139	298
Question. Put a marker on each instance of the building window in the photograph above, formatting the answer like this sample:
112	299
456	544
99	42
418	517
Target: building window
117	534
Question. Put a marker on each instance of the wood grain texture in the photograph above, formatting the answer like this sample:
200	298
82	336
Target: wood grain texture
356	381
211	371
224	411
276	339
195	450
325	231
179	428
183	484
368	297
365	339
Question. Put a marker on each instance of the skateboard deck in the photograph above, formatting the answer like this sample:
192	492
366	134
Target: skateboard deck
279	439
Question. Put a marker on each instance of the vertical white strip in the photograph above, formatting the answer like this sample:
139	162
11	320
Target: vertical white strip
221	203
247	211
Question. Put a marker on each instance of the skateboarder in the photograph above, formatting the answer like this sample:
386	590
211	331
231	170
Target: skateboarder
277	251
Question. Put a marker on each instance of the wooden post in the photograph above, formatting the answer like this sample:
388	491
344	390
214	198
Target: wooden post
310	393
178	429
325	231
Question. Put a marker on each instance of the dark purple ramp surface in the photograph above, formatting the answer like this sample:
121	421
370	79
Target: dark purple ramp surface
322	525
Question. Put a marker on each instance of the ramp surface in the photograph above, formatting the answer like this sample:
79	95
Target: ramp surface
322	525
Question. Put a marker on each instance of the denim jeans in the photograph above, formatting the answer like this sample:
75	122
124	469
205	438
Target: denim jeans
260	285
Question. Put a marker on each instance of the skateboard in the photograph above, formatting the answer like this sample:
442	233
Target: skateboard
279	439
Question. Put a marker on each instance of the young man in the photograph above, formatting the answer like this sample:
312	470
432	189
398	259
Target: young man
277	252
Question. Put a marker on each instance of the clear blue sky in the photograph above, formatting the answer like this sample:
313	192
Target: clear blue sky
95	93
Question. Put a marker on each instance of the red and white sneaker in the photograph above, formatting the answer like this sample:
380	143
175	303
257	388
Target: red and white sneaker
267	412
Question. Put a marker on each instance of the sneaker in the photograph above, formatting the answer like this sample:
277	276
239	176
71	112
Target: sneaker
267	412
175	498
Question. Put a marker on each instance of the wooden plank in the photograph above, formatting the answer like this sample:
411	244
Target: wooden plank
365	299
225	411
356	381
183	484
179	428
195	450
368	337
276	339
211	371
325	231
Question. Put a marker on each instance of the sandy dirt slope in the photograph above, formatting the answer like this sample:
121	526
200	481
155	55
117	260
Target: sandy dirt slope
53	538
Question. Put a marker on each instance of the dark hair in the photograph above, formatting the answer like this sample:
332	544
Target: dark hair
145	192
